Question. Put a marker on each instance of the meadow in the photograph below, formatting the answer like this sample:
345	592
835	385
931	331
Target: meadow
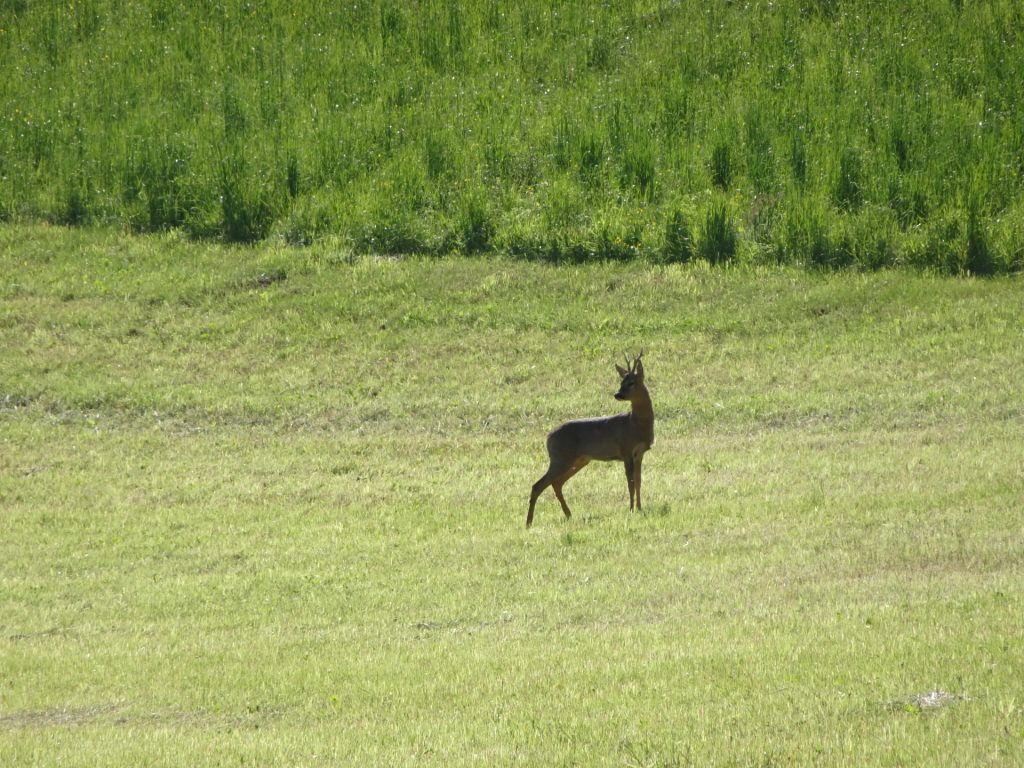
820	133
265	506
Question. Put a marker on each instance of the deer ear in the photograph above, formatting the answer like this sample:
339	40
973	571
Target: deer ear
639	369
622	371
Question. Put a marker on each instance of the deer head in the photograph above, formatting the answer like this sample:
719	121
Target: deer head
632	376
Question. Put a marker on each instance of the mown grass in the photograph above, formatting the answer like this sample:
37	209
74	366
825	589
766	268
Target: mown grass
830	134
267	506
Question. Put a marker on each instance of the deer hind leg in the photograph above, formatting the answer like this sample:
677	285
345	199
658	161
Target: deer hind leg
550	478
556	476
538	489
563	478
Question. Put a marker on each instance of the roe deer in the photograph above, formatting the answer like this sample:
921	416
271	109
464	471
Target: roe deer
624	438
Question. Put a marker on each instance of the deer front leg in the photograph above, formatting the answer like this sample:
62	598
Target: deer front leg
636	479
630	480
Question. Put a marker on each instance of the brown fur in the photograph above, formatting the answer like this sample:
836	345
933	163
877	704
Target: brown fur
625	437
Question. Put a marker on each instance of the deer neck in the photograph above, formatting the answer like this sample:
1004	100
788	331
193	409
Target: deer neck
642	411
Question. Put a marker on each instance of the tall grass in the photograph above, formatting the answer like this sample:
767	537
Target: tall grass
437	127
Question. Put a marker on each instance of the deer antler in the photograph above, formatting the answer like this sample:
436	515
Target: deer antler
636	361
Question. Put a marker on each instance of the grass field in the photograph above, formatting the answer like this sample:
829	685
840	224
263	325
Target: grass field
266	506
792	131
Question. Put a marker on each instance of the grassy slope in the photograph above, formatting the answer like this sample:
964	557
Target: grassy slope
832	133
283	523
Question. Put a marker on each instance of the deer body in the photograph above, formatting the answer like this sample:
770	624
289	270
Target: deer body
625	437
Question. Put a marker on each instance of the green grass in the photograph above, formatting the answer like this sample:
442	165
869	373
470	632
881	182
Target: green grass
266	506
563	131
